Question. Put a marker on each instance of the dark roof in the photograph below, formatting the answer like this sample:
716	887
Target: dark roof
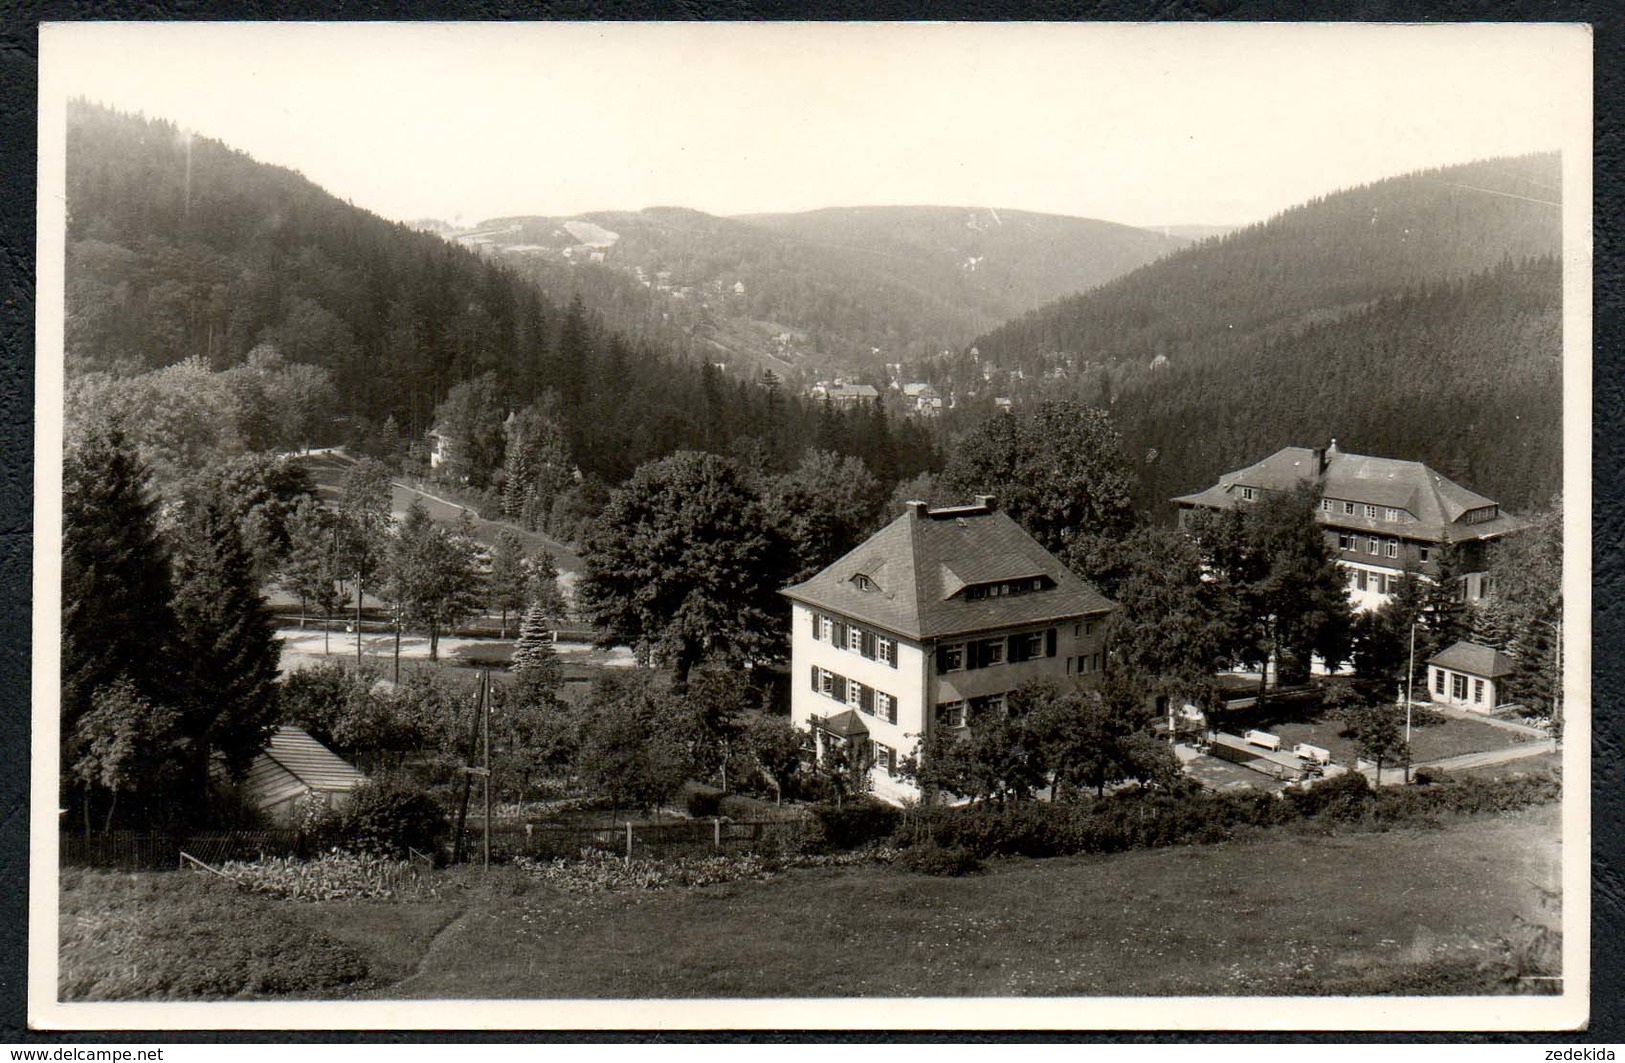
294	763
919	562
847	724
1435	504
1475	659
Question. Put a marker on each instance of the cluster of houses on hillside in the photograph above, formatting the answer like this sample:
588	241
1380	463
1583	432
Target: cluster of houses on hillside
947	610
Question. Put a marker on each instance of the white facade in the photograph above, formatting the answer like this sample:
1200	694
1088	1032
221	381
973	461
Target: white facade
924	692
1449	686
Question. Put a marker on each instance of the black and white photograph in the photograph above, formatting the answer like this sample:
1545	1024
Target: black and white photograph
812	526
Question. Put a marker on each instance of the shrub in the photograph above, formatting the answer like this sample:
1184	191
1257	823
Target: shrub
388	815
704	803
850	825
1347	797
933	859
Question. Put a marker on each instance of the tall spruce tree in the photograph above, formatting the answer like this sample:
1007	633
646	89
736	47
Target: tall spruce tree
227	651
116	616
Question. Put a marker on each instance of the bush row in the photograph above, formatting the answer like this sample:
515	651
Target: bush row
1144	819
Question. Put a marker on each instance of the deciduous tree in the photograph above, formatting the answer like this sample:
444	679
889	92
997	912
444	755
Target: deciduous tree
679	566
1057	470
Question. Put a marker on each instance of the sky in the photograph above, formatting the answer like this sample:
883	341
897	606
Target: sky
1140	124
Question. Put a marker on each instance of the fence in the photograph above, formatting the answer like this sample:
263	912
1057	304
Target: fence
659	840
134	851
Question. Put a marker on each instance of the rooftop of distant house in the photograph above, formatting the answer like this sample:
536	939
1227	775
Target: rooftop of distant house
1476	659
1430	504
949	571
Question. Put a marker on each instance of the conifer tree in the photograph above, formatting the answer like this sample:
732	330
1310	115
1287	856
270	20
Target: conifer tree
116	615
227	652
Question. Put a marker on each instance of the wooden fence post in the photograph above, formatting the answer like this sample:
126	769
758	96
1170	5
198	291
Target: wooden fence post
716	832
629	843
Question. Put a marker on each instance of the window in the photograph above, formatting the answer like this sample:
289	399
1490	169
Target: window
1371	546
1390	584
951	715
1458	686
993	704
854	639
886	707
1088	628
1438	681
885	757
1391	514
1424	552
1348	509
950	658
990	652
1069	666
887	649
1478	692
1326	505
1346	542
826	682
1359	579
1098	660
1371	512
1247	494
862	582
1392	547
1026	646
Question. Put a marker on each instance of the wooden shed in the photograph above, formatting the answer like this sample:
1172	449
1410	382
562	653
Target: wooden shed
295	765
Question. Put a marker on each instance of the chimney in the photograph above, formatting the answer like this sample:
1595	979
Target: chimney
987	502
1320	460
917	509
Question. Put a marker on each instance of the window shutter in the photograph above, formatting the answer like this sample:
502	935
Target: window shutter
891	644
1013	649
1049	643
891	709
815	678
973	654
866	700
838	690
868	644
840	634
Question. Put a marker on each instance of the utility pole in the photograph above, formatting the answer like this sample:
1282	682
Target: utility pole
358	617
1410	673
485	741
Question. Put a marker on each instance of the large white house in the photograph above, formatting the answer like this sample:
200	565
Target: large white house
939	614
1380	515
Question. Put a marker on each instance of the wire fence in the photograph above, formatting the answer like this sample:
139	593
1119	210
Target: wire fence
668	840
137	851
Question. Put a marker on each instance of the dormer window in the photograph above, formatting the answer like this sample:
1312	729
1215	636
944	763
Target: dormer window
1247	494
1391	514
862	582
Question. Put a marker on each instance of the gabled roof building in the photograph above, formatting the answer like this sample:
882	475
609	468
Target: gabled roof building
932	620
1381	515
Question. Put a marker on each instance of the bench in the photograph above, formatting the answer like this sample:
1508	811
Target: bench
1264	739
1314	753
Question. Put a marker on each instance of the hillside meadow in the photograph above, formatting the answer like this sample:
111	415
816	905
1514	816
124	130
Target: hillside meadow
1446	910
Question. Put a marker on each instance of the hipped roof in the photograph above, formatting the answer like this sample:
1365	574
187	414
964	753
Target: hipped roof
919	564
1435	502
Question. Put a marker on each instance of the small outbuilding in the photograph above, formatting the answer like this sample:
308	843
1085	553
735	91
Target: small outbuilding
293	766
1469	675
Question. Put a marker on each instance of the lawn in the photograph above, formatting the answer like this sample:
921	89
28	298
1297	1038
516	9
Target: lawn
1408	910
1433	737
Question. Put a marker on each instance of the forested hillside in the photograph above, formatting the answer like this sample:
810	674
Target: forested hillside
182	250
1417	317
839	290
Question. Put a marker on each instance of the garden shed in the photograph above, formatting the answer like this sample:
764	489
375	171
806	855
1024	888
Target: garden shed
1470	676
295	765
